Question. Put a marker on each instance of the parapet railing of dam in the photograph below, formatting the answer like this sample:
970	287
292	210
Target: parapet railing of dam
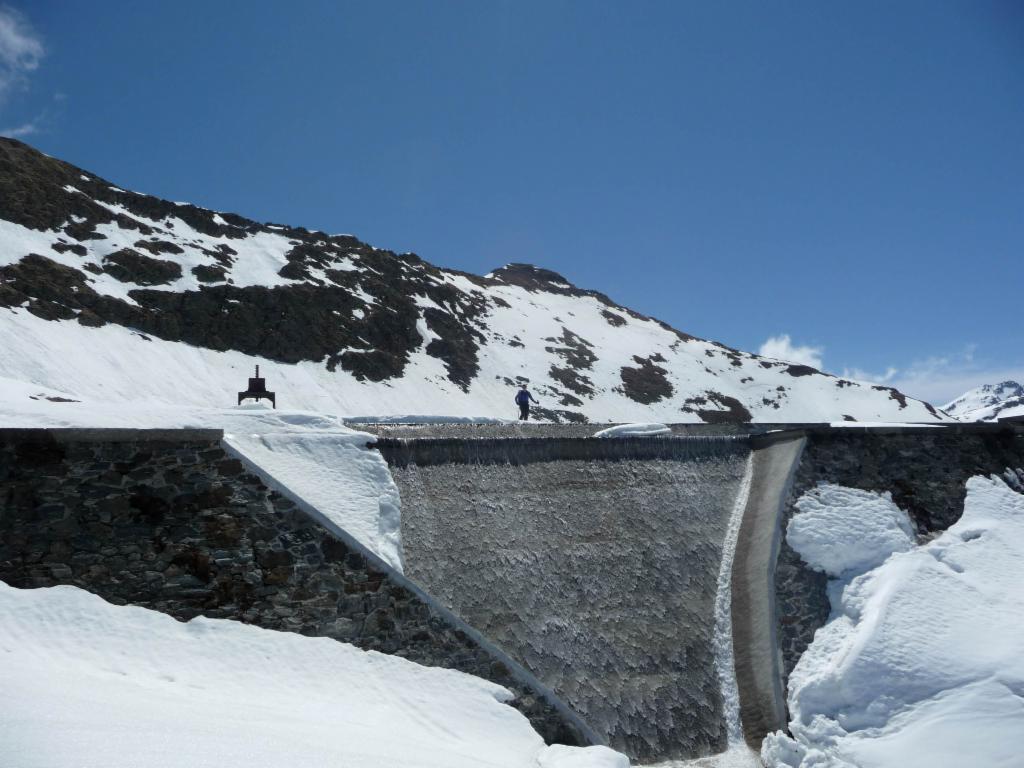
426	451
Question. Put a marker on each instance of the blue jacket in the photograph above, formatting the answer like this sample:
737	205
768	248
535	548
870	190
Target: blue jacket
523	397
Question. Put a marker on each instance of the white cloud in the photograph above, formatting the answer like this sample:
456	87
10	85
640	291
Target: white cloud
859	374
782	348
941	384
941	379
937	380
38	124
26	129
21	49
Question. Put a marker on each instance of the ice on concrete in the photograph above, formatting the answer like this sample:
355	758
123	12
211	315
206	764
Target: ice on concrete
922	662
90	684
724	655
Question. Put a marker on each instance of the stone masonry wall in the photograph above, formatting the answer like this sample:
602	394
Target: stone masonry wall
925	470
170	522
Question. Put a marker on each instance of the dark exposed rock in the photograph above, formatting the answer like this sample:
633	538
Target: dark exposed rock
730	410
733	410
801	370
130	266
572	380
613	318
38	192
566	399
43	279
894	394
531	278
456	346
156	247
75	248
50	310
222	253
304	257
647	383
575	350
83	231
209	274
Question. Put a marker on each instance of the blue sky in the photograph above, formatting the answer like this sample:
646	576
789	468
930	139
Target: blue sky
847	175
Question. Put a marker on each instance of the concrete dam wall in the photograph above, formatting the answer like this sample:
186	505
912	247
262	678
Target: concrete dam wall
593	563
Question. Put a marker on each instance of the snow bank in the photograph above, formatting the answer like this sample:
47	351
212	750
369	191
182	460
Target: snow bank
634	430
89	684
561	756
839	529
922	662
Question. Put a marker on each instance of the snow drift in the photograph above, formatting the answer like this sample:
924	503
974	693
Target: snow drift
922	662
90	684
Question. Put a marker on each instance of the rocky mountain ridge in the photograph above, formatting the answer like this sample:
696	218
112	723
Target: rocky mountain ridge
989	402
94	277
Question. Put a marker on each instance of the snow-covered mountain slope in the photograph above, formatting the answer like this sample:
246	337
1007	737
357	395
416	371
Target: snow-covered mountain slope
111	295
988	402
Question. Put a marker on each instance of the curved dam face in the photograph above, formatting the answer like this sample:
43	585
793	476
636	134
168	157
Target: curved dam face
592	563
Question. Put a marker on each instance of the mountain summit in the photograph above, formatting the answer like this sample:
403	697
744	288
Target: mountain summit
988	402
113	295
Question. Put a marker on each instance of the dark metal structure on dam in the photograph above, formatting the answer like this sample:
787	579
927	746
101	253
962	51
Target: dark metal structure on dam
594	563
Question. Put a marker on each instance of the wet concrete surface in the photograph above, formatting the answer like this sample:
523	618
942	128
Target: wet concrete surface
599	576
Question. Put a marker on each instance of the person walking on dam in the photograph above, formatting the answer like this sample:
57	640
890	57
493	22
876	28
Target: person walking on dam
523	398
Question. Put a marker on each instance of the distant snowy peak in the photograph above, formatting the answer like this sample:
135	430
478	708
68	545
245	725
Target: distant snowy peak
95	280
988	402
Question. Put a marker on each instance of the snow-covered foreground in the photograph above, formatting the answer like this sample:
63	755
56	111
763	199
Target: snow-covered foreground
922	661
314	456
89	684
